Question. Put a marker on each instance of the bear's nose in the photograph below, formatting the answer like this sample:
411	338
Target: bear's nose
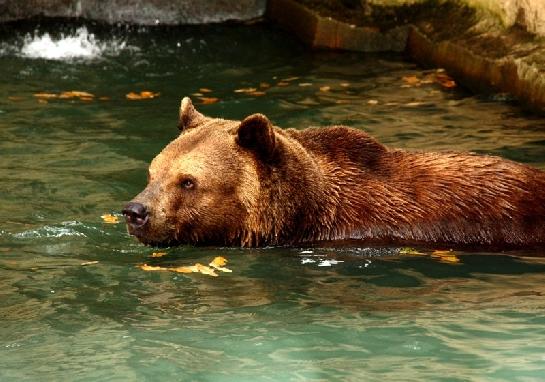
136	214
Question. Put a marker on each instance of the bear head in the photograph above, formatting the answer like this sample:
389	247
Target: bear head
219	182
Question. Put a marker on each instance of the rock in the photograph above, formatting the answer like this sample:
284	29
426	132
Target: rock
327	32
487	46
146	12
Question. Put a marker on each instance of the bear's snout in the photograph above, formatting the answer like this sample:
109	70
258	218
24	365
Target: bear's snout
136	214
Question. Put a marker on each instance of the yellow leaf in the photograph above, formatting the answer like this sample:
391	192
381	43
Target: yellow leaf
282	83
208	100
189	269
325	88
445	80
218	261
289	79
441	252
205	90
345	84
110	219
305	84
104	98
158	254
89	263
76	94
372	102
264	85
206	270
445	256
450	259
257	94
46	95
197	94
411	80
146	267
218	264
133	96
245	90
142	95
409	251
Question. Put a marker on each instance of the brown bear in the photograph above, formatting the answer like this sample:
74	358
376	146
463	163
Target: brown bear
249	183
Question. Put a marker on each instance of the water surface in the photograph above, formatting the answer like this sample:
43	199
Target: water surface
284	314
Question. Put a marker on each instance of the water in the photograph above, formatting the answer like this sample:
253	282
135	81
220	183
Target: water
347	314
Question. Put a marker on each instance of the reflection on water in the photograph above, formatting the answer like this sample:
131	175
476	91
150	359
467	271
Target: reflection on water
284	313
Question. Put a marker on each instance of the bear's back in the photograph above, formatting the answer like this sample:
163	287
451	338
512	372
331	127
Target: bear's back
426	197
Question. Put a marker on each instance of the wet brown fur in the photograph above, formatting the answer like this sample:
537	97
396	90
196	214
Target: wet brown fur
257	185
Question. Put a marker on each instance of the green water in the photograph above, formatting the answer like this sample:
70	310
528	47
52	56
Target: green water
283	314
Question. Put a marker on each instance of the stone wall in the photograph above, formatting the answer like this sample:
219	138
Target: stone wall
529	14
136	11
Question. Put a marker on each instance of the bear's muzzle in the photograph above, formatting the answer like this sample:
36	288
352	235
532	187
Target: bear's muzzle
136	215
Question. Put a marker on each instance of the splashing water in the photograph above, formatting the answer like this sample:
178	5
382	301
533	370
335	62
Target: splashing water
80	45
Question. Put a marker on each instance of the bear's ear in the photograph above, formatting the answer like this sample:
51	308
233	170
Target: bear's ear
256	133
189	116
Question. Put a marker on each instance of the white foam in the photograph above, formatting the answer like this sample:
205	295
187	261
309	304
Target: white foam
82	45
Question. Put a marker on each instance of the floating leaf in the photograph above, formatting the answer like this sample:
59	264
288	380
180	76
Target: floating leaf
133	96
210	270
305	84
104	98
206	270
146	267
257	94
110	219
75	94
283	83
372	102
344	84
89	263
325	88
264	85
445	80
445	256
289	79
187	269
208	100
411	80
205	90
142	95
197	94
46	95
412	104
409	251
158	254
218	264
245	90
218	261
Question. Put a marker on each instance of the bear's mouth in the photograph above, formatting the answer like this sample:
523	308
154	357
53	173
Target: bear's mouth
143	232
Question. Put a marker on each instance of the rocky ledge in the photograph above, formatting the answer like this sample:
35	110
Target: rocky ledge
487	46
143	12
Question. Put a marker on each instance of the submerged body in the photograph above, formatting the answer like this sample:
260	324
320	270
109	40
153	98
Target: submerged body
251	184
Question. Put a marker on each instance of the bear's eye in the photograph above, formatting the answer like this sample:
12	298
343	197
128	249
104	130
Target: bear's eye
187	184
